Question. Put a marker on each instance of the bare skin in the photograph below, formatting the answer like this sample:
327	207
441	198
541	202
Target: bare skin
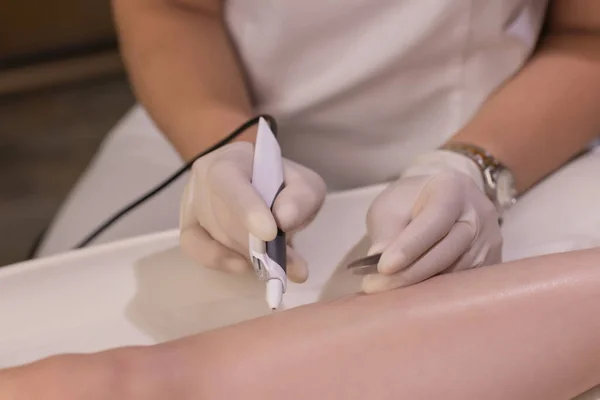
527	330
548	112
184	70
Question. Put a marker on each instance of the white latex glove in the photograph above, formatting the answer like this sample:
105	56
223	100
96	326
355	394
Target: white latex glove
434	219
220	207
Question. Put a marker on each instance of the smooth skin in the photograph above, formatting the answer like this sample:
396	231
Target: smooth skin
534	123
527	330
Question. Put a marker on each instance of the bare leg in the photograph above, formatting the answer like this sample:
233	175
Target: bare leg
524	330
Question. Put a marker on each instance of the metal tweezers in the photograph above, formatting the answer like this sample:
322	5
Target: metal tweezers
366	265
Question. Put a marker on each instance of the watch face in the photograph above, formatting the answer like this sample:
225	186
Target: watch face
506	191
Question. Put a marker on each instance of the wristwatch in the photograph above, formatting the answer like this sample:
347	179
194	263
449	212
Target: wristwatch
498	180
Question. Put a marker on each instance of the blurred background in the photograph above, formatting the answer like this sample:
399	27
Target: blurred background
62	87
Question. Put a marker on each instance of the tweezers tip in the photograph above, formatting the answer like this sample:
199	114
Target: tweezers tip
371	260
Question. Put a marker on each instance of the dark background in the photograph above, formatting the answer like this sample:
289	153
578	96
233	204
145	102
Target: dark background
62	87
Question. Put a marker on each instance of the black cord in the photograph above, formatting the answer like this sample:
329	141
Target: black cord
37	242
151	193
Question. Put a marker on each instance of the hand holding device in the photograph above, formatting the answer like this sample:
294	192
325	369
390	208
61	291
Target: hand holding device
220	208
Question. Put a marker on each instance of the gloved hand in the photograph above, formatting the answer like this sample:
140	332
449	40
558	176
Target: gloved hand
220	207
435	218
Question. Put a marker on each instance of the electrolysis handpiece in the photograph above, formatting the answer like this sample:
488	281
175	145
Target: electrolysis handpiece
269	258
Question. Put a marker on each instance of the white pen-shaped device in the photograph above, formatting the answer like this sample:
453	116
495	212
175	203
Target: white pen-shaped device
269	258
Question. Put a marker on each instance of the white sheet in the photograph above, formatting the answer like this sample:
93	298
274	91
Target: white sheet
143	290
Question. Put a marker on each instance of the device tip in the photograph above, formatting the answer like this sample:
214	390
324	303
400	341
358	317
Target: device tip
274	293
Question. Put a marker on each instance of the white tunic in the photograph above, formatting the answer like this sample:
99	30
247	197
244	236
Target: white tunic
360	87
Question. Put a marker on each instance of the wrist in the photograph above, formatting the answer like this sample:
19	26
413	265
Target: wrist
143	373
60	377
122	374
438	161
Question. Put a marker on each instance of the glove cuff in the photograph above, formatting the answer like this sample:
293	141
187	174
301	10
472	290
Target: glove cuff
438	161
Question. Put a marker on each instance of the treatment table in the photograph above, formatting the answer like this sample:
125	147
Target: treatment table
143	290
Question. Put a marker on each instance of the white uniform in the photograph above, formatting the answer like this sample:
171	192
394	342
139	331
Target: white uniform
359	88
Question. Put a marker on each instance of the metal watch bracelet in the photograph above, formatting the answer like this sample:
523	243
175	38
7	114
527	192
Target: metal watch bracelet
498	180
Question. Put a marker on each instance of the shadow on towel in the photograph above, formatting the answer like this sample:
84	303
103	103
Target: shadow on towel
175	297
